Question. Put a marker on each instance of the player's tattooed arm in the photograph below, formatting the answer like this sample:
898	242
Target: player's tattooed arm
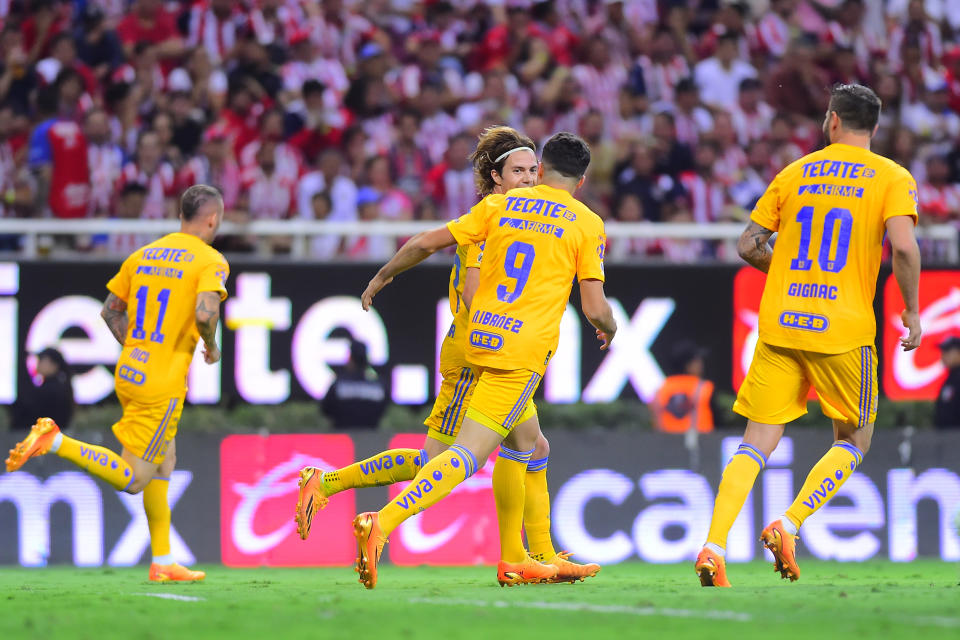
114	313
754	246
207	317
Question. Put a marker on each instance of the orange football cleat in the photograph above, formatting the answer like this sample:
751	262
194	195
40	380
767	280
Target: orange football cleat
311	499
529	571
783	546
370	541
37	443
568	571
712	569
174	573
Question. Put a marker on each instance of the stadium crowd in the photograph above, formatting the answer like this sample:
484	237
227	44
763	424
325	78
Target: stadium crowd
340	110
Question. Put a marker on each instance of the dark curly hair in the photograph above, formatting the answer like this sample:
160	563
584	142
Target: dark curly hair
494	142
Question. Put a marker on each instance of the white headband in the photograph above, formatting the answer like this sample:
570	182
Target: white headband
504	155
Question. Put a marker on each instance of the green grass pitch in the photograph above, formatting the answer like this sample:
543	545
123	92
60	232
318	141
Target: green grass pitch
870	600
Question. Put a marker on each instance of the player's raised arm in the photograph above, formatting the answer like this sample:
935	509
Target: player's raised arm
114	313
906	268
753	246
207	317
413	252
593	302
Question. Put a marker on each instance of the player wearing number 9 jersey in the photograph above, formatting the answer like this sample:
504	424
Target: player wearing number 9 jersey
831	211
165	297
537	241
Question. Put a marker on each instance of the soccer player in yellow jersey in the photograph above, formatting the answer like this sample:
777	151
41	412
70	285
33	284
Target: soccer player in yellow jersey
537	241
831	210
164	298
504	159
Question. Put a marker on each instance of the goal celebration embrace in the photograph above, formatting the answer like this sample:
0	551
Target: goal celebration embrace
607	318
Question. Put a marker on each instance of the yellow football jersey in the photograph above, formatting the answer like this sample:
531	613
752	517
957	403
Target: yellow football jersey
537	240
466	257
829	210
159	283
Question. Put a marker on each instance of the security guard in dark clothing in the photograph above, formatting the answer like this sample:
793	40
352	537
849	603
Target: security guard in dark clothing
53	398
946	414
357	398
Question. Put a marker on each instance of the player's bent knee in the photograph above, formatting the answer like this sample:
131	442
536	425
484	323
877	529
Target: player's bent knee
136	486
542	449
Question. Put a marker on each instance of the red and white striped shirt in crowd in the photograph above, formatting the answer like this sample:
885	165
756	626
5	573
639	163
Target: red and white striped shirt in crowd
329	71
730	164
751	126
691	125
773	35
341	38
454	191
707	197
931	46
106	164
661	78
217	36
864	42
287	159
270	197
226	178
601	87
435	133
939	201
277	27
160	184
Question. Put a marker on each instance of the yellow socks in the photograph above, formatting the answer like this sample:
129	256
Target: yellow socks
735	485
433	483
158	519
824	481
508	493
384	468
536	511
97	461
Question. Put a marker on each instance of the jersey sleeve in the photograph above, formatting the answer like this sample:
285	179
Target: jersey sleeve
213	277
119	285
590	254
766	212
472	227
474	256
901	197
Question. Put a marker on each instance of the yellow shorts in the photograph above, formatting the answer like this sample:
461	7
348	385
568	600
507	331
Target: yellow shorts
777	386
146	428
503	398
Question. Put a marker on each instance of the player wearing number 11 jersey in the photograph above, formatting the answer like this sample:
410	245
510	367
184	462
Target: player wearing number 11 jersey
831	211
165	297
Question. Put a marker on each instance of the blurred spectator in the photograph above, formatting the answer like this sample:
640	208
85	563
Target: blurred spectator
719	77
684	401
8	164
394	202
323	247
357	398
946	413
98	46
408	161
755	177
215	25
797	85
148	22
149	170
268	193
706	196
19	78
931	119
450	183
287	159
105	160
437	126
639	179
328	178
671	156
601	78
372	248
690	118
58	155
774	30
657	74
51	394
937	197
128	205
215	166
63	55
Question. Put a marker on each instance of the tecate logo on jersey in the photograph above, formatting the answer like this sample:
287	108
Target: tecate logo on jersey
918	374
461	529
258	485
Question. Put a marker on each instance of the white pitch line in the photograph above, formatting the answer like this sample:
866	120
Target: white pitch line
171	596
592	608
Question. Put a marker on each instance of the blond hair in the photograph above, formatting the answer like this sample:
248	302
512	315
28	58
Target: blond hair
493	143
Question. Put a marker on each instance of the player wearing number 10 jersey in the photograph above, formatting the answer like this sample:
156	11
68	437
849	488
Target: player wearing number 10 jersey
831	211
165	297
